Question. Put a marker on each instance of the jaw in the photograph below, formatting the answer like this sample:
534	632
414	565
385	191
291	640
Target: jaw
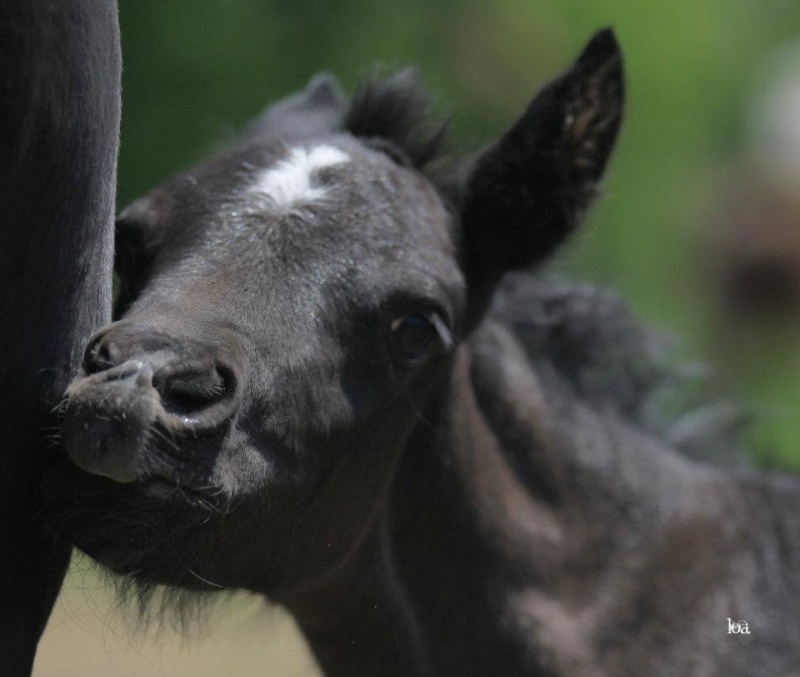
158	532
151	529
156	503
179	526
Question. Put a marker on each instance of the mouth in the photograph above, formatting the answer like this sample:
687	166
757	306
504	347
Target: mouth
126	425
135	487
168	491
65	481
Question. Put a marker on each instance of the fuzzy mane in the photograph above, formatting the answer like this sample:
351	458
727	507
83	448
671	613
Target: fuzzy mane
394	113
597	349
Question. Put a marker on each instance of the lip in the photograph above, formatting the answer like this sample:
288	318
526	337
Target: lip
163	489
64	480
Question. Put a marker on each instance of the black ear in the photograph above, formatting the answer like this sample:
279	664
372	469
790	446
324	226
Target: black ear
320	108
136	238
527	193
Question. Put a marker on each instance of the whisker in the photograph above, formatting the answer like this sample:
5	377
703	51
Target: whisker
205	580
171	441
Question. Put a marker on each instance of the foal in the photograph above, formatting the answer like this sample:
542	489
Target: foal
324	387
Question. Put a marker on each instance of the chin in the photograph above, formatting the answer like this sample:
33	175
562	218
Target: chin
152	530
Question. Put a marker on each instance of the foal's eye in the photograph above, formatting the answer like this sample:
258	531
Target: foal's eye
413	336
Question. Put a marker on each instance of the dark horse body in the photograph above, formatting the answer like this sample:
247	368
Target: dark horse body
321	388
59	115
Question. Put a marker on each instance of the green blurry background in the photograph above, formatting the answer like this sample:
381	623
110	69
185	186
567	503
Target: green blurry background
197	70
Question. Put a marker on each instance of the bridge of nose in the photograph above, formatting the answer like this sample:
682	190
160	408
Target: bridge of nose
122	342
167	359
119	343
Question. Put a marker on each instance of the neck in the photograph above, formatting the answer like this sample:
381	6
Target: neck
470	537
524	535
432	589
362	622
493	552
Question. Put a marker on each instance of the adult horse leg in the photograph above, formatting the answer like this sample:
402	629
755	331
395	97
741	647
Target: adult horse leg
59	122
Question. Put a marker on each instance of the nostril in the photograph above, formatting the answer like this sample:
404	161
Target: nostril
99	355
188	391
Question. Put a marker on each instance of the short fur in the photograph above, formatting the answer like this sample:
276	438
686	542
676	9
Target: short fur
363	411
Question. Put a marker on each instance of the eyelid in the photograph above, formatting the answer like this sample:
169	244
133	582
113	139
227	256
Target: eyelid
445	336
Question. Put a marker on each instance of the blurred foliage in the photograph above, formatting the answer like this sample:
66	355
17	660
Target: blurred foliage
196	70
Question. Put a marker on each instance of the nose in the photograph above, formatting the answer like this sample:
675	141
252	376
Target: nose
197	390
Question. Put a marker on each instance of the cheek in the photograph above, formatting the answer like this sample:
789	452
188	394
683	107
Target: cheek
250	462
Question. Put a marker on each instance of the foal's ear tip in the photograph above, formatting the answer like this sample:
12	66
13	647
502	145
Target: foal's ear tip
602	47
324	88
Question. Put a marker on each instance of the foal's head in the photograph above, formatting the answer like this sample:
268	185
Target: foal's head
285	308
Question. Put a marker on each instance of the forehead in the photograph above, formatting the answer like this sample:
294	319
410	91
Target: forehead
307	194
342	184
294	181
315	206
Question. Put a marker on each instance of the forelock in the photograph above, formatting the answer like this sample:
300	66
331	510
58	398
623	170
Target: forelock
394	114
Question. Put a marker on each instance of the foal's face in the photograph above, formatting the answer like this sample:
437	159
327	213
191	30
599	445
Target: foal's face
284	310
294	300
